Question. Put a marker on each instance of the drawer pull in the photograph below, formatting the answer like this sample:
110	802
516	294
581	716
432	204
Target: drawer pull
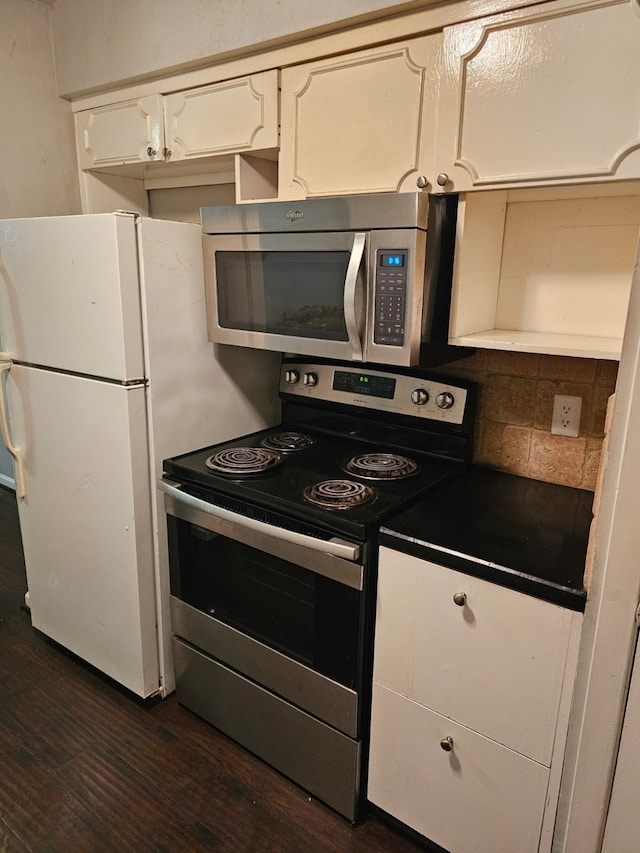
447	744
460	598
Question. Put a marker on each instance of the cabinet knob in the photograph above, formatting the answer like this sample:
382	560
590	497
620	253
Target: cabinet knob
151	151
422	182
442	179
166	153
460	598
447	744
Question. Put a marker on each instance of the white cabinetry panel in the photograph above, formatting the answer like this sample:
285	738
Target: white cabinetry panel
495	664
237	115
364	122
234	116
493	672
479	797
547	94
120	134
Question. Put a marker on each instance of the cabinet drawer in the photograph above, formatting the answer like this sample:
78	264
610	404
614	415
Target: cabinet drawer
495	664
478	797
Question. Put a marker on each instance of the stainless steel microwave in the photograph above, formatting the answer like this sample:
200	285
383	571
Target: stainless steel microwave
359	278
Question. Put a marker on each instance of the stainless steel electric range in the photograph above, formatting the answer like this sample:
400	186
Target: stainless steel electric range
273	558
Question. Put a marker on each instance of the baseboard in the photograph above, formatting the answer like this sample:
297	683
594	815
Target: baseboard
7	481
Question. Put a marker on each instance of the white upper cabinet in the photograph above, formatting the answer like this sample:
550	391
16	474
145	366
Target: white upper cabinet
546	94
120	134
234	116
364	122
237	115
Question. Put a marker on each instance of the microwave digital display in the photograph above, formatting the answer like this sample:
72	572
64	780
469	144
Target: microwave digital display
364	383
391	260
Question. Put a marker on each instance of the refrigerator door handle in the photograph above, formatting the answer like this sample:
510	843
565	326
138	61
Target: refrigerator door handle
5	365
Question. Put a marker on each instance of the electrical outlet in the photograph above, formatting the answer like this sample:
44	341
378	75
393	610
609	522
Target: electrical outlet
566	416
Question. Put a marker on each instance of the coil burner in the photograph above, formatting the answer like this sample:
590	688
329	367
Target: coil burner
339	494
288	442
241	461
381	466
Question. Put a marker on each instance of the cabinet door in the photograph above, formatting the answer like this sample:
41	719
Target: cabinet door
237	115
477	797
119	134
547	94
495	664
360	123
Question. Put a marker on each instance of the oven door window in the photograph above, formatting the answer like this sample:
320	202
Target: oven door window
299	294
306	616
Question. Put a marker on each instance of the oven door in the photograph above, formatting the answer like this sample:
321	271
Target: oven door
284	609
301	293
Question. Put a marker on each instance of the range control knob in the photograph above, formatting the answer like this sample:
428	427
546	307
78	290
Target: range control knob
445	400
291	376
419	396
310	379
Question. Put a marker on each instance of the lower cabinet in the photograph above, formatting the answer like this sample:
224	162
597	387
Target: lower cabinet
475	796
471	694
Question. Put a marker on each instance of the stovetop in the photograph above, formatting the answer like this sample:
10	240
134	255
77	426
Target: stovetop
282	488
344	413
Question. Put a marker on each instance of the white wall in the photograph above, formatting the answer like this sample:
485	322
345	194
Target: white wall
37	149
104	42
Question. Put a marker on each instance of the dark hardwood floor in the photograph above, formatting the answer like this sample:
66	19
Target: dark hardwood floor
85	766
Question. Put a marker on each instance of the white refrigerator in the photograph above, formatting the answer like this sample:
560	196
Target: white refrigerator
107	370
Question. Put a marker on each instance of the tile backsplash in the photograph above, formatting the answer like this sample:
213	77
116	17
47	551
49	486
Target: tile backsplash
515	403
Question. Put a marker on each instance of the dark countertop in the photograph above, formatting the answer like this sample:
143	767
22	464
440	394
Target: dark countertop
520	533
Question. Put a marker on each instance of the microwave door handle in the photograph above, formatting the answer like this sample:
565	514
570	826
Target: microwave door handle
5	365
350	292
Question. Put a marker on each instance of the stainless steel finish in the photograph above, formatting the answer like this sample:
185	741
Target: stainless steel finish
334	242
415	241
310	378
422	182
419	396
447	744
460	598
292	376
333	559
322	760
353	307
342	213
332	702
151	152
400	404
442	179
445	400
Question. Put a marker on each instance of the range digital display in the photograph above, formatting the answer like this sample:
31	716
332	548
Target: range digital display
364	383
395	259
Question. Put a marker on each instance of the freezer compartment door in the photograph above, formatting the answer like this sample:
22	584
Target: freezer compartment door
86	519
70	296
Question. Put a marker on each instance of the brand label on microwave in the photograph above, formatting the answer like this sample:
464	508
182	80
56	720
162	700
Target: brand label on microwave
292	215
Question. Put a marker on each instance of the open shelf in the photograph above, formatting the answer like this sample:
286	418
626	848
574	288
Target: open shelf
545	272
587	346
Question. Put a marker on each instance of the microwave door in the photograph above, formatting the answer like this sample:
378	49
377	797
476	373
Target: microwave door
300	293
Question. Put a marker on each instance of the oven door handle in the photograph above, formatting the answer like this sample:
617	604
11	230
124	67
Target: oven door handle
351	308
335	547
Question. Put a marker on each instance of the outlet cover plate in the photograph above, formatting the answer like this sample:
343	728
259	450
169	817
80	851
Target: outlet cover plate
566	416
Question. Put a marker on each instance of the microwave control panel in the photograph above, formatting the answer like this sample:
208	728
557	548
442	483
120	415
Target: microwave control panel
390	297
